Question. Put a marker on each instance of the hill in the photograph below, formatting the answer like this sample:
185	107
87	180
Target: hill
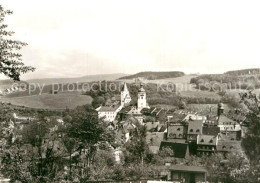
49	101
155	75
244	72
87	78
241	79
8	83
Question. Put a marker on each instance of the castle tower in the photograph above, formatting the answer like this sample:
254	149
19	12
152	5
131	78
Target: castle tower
125	96
141	100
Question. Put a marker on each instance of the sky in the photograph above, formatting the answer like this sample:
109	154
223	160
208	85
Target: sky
81	37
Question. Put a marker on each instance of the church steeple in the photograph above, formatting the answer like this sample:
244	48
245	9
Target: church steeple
125	96
124	89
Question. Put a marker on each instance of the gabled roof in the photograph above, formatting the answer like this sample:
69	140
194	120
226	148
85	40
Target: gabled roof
195	127
229	146
206	140
108	109
210	130
224	120
134	110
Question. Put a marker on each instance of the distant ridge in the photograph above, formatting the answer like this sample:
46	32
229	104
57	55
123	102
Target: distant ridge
87	78
244	71
9	83
149	75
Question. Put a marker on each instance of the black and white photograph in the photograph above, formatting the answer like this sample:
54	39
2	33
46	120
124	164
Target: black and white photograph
118	91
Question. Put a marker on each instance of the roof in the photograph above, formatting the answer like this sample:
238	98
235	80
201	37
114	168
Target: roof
124	88
229	146
221	105
230	128
206	140
151	125
163	128
134	110
154	138
210	130
185	168
141	89
195	127
175	117
225	120
181	150
108	109
126	109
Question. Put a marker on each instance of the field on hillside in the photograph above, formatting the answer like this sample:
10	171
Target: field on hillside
237	91
49	101
206	109
199	93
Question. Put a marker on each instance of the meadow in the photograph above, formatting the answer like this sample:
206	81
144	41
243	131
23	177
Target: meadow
50	101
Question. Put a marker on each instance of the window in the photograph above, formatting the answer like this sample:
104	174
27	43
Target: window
211	141
178	129
191	130
201	140
197	130
224	147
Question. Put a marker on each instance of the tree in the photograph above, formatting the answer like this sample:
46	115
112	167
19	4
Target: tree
11	63
89	131
138	146
69	144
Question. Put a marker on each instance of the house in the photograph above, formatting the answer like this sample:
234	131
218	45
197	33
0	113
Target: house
210	130
225	146
206	144
187	174
108	113
230	127
194	129
177	131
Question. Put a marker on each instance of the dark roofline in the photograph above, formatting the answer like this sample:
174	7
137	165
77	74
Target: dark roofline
185	168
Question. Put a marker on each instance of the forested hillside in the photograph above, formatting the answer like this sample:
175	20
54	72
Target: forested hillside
155	75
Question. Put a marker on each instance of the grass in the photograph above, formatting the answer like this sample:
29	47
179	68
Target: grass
199	94
204	109
49	101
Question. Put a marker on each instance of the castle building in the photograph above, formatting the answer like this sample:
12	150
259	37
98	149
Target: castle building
141	101
125	96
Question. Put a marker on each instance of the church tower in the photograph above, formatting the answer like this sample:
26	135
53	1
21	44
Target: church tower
141	100
125	96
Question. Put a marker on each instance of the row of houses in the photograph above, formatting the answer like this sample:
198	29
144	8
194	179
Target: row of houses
186	132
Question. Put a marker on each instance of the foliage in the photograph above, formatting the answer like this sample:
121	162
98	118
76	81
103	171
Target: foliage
155	75
11	63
